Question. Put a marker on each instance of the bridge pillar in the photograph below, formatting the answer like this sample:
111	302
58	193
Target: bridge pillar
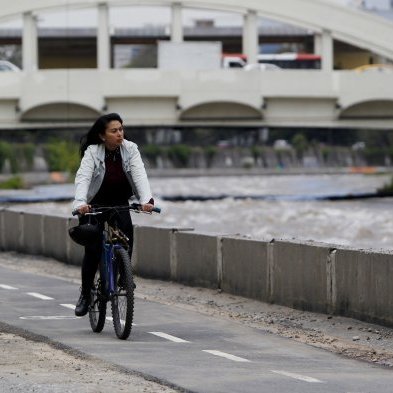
323	46
177	23
251	36
103	38
29	42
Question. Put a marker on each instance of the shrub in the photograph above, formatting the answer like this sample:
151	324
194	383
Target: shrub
152	152
28	152
300	143
5	153
13	183
210	152
179	154
62	156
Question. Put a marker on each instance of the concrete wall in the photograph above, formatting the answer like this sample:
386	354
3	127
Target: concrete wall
299	278
195	259
364	285
245	267
304	275
154	251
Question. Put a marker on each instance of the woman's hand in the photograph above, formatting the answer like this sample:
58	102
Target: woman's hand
147	207
84	209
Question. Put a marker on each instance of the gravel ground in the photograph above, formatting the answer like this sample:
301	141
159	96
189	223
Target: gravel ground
32	364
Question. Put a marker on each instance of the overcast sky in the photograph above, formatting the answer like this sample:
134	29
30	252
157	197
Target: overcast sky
142	16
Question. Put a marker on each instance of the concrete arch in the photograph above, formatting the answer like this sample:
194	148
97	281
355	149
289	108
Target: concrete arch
59	111
344	23
373	109
221	110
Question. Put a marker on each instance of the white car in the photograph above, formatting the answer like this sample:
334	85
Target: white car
262	67
6	65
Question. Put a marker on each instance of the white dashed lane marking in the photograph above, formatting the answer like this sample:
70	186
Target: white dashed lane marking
166	336
39	296
70	306
48	317
299	377
226	355
4	286
169	337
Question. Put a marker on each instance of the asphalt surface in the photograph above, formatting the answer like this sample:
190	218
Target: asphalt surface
194	352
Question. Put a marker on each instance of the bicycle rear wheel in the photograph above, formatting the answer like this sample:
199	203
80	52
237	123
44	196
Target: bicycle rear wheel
123	299
97	308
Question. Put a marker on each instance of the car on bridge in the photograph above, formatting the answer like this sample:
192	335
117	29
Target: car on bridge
375	68
262	67
6	65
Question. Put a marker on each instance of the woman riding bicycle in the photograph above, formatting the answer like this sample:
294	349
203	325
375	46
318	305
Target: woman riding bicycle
110	172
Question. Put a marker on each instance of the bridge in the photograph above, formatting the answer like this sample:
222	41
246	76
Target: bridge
37	98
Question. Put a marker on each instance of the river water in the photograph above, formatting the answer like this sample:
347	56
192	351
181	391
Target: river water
290	208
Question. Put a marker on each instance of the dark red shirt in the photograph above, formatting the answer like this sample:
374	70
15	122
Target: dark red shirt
115	188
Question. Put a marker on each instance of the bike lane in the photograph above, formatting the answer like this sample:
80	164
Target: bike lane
194	351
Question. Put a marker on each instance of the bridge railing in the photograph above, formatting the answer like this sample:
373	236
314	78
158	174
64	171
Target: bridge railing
165	97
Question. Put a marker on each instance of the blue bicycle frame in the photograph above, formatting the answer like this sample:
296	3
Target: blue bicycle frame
108	251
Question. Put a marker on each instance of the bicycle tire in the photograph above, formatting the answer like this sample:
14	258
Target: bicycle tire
97	308
123	300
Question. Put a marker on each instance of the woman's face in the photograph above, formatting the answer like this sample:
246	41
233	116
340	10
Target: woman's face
114	135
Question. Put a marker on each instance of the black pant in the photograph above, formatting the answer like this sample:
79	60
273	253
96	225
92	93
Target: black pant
93	252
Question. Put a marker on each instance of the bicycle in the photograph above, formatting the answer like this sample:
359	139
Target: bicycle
114	280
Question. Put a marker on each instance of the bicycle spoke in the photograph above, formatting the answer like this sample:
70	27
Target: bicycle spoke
123	300
97	308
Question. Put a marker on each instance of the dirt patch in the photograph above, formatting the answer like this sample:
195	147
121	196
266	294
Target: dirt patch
33	366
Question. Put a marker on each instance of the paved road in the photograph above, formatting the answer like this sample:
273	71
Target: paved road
193	351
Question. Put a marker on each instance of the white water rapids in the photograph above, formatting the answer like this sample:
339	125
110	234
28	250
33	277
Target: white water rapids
291	213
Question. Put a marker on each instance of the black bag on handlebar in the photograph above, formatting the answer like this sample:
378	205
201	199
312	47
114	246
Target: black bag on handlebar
85	234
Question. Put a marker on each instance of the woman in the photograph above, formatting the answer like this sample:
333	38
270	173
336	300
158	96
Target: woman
111	171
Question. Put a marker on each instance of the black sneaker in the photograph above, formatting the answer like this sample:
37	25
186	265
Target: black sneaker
82	306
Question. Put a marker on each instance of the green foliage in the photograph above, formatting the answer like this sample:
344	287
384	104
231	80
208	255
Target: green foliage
210	152
151	152
62	156
180	154
375	155
300	144
257	151
13	183
15	162
28	152
5	153
20	156
326	152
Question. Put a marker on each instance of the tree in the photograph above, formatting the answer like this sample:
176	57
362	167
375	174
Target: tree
300	144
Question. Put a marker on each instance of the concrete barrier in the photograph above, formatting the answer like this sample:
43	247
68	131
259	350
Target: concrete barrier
245	267
74	251
364	285
55	231
13	230
305	275
196	259
2	229
299	275
154	251
33	239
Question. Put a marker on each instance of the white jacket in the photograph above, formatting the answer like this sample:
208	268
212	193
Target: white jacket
91	173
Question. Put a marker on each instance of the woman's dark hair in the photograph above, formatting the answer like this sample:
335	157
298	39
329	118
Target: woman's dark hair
93	135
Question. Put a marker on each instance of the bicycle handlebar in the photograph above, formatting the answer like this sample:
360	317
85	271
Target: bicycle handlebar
136	207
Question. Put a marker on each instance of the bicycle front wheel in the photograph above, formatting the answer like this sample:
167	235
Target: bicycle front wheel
97	308
123	298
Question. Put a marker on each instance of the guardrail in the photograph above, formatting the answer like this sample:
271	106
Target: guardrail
304	275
